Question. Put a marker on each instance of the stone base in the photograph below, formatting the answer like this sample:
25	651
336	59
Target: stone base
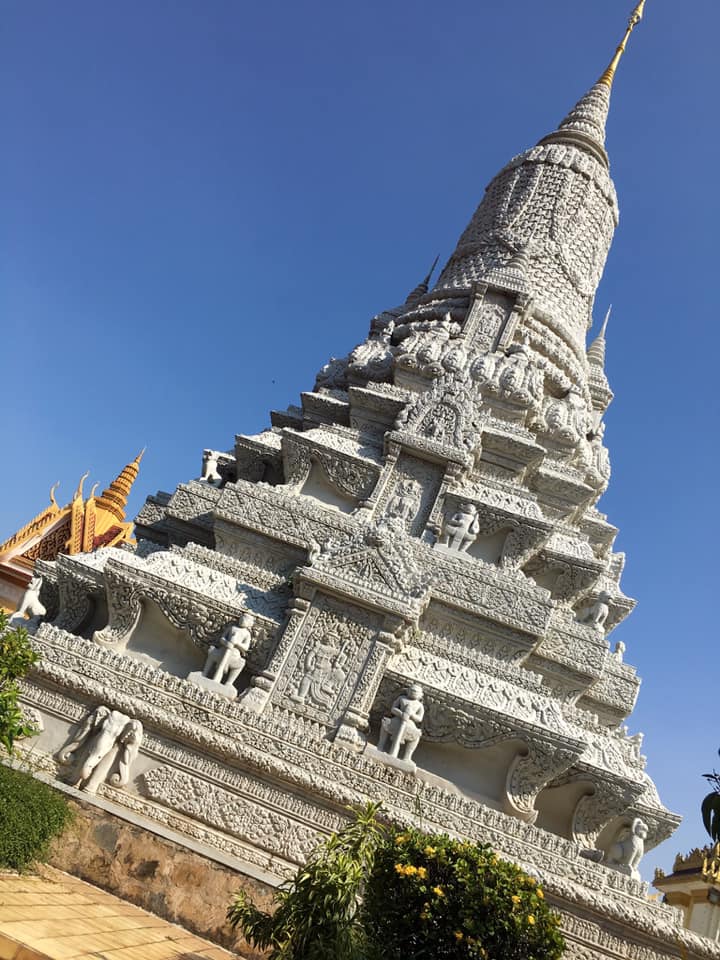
407	766
228	690
156	873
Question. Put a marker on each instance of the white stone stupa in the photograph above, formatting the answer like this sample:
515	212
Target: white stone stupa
402	590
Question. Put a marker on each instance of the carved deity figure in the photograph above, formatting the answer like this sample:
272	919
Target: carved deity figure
402	728
626	852
596	615
210	468
105	749
30	606
461	528
405	501
323	672
226	660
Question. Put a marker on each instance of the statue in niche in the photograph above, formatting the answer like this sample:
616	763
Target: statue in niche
619	651
461	528
226	660
627	850
210	468
402	728
105	749
324	672
30	607
405	501
596	615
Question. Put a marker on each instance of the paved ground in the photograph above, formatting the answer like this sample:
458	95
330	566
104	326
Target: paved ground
56	917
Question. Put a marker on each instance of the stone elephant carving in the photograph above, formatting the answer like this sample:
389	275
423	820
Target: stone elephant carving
104	749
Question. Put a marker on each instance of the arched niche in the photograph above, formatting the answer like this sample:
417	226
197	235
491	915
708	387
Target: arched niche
556	806
479	773
489	548
157	642
319	487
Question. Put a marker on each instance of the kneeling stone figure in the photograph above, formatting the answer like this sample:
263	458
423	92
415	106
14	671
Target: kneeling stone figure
402	728
226	660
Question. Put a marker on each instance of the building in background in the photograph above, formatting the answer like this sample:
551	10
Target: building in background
81	526
694	887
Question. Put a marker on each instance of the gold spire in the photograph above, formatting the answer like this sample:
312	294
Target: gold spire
635	18
114	498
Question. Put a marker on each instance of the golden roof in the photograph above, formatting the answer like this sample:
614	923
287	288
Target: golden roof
80	526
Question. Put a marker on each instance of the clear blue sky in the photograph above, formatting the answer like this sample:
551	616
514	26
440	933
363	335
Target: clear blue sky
202	201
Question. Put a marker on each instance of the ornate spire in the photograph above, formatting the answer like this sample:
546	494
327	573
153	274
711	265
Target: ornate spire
596	350
114	498
422	288
585	124
635	17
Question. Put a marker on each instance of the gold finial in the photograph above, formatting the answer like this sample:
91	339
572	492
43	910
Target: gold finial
79	492
53	501
635	18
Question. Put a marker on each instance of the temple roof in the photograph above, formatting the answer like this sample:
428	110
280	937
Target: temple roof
80	526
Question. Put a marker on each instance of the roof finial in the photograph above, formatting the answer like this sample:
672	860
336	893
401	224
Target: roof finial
431	271
603	328
635	18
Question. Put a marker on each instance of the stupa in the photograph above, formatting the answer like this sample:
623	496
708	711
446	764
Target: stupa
402	590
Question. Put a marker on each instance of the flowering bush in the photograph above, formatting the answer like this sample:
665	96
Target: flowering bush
378	893
442	898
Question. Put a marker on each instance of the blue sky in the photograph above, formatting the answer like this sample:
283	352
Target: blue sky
202	201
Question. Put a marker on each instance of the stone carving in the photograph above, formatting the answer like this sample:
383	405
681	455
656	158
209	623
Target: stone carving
405	501
30	611
446	416
324	671
626	851
104	749
210	472
333	375
373	359
596	615
236	815
461	528
226	660
424	345
402	729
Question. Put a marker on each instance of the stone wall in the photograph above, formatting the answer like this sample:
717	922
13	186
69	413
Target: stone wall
155	873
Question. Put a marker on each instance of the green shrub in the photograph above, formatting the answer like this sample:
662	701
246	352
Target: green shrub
16	658
31	814
316	915
378	893
433	896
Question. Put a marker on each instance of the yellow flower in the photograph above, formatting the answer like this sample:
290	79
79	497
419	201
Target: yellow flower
532	881
438	891
540	893
399	840
531	920
458	934
399	868
430	851
515	899
422	873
